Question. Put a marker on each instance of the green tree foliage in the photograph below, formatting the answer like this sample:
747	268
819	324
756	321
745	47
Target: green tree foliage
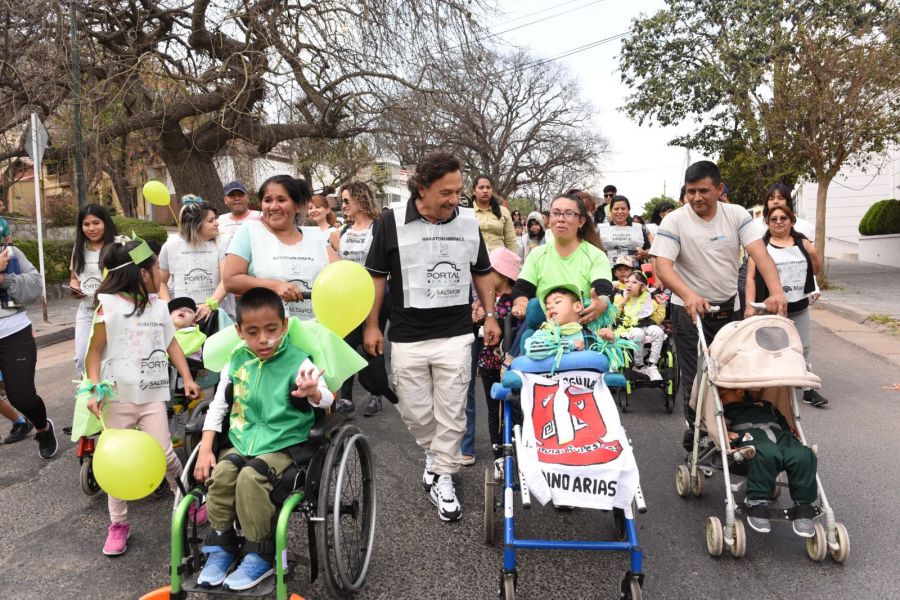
804	87
652	203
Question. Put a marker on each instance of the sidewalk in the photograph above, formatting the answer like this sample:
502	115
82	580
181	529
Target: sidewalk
61	317
867	290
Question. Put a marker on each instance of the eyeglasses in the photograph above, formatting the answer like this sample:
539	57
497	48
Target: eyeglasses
778	219
567	214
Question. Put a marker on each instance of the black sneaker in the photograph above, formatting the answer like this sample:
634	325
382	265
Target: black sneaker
373	406
18	432
47	444
813	398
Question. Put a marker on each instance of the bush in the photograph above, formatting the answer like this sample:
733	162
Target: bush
882	218
57	257
58	254
147	230
62	210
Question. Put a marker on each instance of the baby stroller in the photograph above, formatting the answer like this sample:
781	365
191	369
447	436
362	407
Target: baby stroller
761	352
589	465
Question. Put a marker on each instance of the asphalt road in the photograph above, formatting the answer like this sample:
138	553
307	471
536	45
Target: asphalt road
51	533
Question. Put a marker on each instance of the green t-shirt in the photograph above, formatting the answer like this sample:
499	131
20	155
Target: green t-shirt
547	270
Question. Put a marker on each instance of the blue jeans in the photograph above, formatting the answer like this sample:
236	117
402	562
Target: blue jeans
467	448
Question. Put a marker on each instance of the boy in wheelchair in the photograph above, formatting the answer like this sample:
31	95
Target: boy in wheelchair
562	331
763	435
269	420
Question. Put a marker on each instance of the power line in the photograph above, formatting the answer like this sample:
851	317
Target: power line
537	12
535	22
567	53
530	23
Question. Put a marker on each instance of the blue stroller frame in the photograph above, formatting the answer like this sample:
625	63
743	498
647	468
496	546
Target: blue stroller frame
625	528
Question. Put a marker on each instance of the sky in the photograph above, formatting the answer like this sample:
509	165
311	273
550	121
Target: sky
640	163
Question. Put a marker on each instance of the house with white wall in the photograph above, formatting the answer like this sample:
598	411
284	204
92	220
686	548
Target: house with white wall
850	195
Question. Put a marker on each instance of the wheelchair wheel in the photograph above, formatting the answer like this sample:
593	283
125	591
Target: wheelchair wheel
89	485
346	506
192	441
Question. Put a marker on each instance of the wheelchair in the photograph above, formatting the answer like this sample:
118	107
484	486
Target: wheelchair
331	487
668	368
499	495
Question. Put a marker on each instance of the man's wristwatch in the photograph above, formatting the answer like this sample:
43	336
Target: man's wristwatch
490	315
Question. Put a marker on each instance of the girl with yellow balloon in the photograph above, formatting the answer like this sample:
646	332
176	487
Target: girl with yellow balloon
127	383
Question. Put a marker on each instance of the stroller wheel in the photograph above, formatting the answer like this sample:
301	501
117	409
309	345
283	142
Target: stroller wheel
714	539
843	543
697	486
89	485
682	480
739	542
817	545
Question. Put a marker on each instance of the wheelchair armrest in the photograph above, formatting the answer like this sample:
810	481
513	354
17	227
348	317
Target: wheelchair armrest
323	428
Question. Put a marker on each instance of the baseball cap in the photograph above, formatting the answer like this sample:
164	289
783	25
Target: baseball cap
623	261
182	302
232	186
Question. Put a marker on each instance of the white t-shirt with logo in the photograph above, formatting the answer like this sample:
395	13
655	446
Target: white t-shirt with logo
706	253
269	258
193	269
228	225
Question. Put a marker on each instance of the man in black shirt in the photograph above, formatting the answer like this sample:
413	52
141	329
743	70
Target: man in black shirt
433	252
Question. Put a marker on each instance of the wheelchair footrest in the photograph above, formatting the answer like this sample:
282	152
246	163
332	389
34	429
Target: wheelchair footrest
265	589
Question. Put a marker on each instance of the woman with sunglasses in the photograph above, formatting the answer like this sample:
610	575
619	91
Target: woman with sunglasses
798	263
573	258
352	242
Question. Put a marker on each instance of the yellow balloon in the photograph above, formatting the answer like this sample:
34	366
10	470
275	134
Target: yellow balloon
342	296
157	193
128	464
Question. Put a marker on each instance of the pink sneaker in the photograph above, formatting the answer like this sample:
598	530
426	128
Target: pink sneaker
197	513
117	539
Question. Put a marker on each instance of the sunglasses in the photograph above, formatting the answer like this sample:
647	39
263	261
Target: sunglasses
778	219
608	195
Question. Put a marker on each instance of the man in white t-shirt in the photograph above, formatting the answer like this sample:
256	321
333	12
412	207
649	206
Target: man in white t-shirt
237	201
697	254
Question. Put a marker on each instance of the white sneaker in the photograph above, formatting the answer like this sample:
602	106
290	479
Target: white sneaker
443	495
428	480
652	372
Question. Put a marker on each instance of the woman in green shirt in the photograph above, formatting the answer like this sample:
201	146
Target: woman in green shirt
575	257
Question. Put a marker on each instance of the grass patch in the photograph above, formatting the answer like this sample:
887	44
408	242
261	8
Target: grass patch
886	321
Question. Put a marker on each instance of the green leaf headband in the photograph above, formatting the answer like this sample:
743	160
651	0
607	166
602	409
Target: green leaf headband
138	254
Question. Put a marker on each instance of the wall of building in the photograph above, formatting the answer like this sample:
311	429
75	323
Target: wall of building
850	195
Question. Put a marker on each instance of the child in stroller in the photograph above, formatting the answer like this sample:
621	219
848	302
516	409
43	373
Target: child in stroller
747	417
757	427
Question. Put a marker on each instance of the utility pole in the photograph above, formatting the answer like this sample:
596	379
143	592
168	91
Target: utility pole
76	93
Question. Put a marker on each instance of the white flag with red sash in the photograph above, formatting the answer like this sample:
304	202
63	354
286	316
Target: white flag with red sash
575	450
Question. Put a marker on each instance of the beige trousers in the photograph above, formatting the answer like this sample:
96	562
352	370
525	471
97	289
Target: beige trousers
431	379
151	418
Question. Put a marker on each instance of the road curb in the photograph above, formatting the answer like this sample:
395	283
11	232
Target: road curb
871	340
54	337
848	312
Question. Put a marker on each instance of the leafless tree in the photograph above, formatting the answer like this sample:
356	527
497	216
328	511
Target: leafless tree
193	75
516	118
